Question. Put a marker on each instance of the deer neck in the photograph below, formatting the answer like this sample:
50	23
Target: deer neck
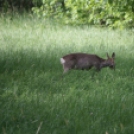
103	63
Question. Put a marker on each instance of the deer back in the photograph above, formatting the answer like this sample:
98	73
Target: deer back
83	61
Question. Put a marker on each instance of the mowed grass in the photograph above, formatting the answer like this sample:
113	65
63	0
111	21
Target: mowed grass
34	99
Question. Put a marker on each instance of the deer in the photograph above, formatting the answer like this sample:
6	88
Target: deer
84	61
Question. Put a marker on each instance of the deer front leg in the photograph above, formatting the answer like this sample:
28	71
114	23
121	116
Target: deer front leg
98	68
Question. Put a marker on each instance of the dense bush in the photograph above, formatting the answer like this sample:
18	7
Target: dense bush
114	13
5	5
99	12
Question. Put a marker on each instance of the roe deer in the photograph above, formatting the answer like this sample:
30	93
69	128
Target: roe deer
83	61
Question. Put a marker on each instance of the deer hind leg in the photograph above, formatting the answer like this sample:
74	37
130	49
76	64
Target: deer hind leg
65	68
97	67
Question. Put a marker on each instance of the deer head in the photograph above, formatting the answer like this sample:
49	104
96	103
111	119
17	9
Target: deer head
109	62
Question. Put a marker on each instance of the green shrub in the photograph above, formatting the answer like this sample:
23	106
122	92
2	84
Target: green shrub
104	12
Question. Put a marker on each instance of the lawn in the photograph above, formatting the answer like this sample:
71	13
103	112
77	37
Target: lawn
34	99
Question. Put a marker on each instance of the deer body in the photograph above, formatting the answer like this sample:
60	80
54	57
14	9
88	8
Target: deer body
83	61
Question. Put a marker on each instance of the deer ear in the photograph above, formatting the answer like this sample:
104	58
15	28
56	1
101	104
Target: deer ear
113	55
108	56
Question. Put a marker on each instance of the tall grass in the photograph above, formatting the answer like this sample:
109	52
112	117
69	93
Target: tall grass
33	97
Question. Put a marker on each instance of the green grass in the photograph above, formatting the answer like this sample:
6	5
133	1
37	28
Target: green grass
35	100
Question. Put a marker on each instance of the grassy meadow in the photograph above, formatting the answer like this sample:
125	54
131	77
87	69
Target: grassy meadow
33	97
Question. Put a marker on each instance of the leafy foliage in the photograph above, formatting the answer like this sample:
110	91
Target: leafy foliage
99	12
5	5
110	13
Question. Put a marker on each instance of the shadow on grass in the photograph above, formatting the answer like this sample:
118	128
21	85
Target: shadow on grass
73	114
43	70
32	93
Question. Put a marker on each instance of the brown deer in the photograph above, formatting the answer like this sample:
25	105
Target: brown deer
83	61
